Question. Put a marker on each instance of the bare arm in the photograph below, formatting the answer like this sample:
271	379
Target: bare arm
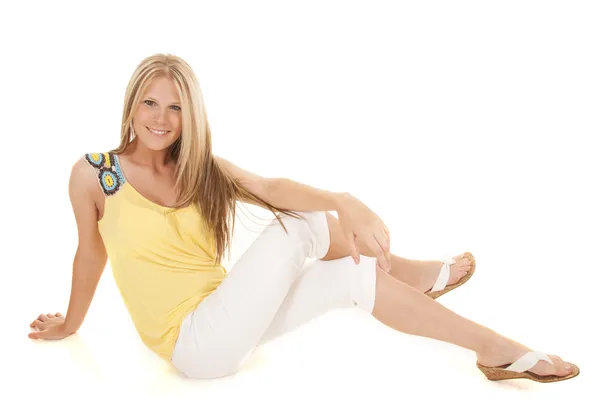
90	258
284	192
359	222
297	196
254	183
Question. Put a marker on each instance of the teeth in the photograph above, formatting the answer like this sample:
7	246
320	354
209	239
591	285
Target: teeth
157	132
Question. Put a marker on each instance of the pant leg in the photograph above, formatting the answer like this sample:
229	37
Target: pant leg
226	327
323	286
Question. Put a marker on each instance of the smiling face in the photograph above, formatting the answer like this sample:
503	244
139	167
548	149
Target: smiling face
157	121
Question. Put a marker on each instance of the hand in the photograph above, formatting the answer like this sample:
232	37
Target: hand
360	224
50	327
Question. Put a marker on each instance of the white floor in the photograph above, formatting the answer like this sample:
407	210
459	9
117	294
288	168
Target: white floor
538	297
463	125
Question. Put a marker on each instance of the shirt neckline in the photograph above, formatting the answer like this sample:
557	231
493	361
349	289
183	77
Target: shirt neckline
141	196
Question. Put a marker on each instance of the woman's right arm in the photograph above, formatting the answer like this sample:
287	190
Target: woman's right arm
90	258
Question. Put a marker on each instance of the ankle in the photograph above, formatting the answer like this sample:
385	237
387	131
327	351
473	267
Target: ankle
500	350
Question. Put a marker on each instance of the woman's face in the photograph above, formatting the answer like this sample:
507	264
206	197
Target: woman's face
157	121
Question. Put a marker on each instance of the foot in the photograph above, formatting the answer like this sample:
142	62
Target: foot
510	351
430	270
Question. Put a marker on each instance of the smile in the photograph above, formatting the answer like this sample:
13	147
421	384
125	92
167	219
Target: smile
156	132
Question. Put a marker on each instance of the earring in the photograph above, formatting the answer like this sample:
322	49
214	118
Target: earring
131	126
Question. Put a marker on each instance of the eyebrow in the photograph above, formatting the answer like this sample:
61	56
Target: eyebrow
153	99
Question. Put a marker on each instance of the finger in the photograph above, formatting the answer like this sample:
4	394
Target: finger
59	314
43	317
380	255
38	325
388	257
50	315
350	238
383	262
383	241
383	250
383	268
36	335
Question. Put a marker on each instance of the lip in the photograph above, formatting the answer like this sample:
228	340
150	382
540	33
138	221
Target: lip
166	130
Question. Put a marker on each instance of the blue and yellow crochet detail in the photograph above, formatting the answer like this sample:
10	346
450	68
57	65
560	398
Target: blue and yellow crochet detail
109	171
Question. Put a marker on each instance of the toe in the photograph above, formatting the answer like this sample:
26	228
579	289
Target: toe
462	263
464	257
560	367
469	257
563	368
568	368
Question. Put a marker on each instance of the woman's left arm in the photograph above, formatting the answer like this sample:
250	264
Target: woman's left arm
286	193
358	221
283	192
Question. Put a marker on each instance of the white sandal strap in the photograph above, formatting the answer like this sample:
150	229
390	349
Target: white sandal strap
528	361
444	276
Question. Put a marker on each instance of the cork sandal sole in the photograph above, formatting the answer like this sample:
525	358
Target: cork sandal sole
500	373
461	281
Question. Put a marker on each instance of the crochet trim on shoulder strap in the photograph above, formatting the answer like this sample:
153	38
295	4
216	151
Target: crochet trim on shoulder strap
110	176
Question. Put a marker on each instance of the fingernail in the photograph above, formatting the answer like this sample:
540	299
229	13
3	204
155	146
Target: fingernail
567	366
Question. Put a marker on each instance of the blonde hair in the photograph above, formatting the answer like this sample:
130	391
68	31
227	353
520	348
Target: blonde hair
200	180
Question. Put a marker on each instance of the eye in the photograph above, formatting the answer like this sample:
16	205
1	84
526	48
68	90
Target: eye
150	103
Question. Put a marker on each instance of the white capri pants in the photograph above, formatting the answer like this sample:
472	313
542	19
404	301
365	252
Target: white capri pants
271	290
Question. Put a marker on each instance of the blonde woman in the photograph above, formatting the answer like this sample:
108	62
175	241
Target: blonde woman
161	208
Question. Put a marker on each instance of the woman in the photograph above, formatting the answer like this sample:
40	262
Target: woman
161	208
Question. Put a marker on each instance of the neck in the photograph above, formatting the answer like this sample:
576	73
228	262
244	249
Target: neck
156	160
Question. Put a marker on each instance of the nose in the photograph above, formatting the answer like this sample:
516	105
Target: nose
160	117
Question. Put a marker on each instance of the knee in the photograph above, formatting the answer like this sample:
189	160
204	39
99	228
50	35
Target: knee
293	221
293	226
312	227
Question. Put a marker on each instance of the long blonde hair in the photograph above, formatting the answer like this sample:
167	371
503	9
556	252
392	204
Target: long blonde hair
200	180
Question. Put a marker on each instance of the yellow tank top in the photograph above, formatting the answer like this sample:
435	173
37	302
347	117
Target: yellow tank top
162	259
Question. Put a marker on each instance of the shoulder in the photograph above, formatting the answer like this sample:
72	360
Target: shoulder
107	170
84	192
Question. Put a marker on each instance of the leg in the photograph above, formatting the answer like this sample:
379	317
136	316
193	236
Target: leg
323	286
403	308
222	332
327	285
419	274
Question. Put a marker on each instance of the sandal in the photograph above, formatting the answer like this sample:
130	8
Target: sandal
440	288
519	368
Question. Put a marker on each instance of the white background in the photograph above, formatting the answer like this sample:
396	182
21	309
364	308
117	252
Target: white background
465	125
